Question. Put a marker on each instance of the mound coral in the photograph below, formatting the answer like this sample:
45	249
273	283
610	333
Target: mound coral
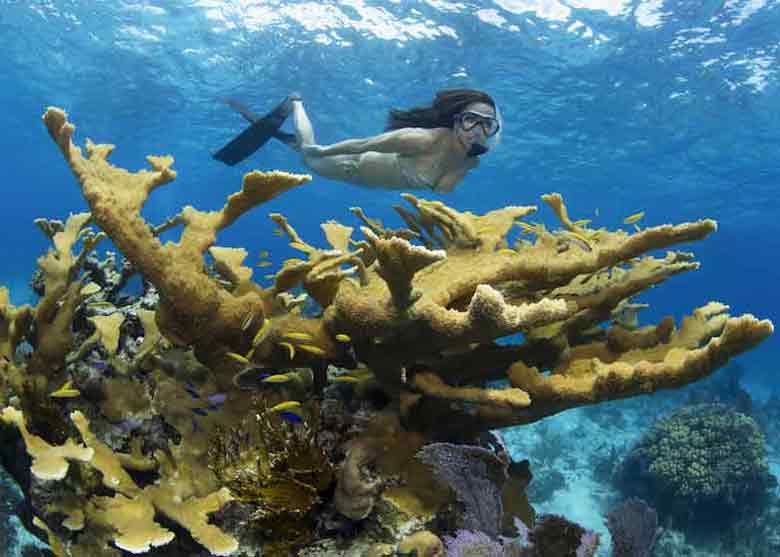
412	317
704	463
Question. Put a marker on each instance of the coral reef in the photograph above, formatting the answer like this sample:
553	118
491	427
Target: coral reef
704	463
210	412
634	529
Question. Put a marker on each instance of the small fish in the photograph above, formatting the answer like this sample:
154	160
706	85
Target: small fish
300	246
278	232
200	411
237	357
91	288
247	322
286	405
582	222
251	378
195	427
506	251
66	391
597	212
290	349
311	349
342	337
269	276
277	378
291	417
99	364
636	227
101	305
582	245
264	253
345	379
526	227
298	336
217	398
578	239
191	390
264	264
636	217
262	332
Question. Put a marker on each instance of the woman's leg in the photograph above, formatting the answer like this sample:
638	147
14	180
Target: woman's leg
341	167
366	169
304	132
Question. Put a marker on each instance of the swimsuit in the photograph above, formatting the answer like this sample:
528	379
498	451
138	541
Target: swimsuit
414	178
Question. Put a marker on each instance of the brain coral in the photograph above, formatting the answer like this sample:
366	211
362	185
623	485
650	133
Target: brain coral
702	463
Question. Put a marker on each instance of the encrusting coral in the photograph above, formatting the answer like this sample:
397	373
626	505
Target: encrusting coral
411	316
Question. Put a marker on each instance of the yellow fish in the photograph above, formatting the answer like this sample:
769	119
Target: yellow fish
264	264
345	379
290	349
302	247
101	305
582	222
278	232
264	253
247	322
526	227
66	391
579	240
278	378
269	276
262	332
288	405
636	217
341	337
237	357
507	251
298	336
311	349
89	289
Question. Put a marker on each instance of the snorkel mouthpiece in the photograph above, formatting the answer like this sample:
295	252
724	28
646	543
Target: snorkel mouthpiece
476	150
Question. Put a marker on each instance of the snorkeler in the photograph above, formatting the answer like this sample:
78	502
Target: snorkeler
430	147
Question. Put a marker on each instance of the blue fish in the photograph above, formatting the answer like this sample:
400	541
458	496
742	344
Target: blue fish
190	388
217	398
291	417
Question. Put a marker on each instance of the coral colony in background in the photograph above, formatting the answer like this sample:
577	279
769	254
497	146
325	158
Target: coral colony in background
347	408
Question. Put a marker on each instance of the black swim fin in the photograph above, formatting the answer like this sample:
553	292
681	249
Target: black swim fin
258	134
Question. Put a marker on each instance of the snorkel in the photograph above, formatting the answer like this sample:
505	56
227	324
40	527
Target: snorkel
477	149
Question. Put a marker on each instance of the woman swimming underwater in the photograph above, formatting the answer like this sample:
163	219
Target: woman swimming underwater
430	147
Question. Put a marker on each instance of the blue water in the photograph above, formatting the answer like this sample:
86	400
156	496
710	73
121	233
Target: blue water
670	107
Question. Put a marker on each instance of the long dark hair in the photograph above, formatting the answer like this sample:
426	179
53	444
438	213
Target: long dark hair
441	114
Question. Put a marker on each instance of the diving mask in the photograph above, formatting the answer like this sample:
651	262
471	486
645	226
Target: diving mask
479	132
470	120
